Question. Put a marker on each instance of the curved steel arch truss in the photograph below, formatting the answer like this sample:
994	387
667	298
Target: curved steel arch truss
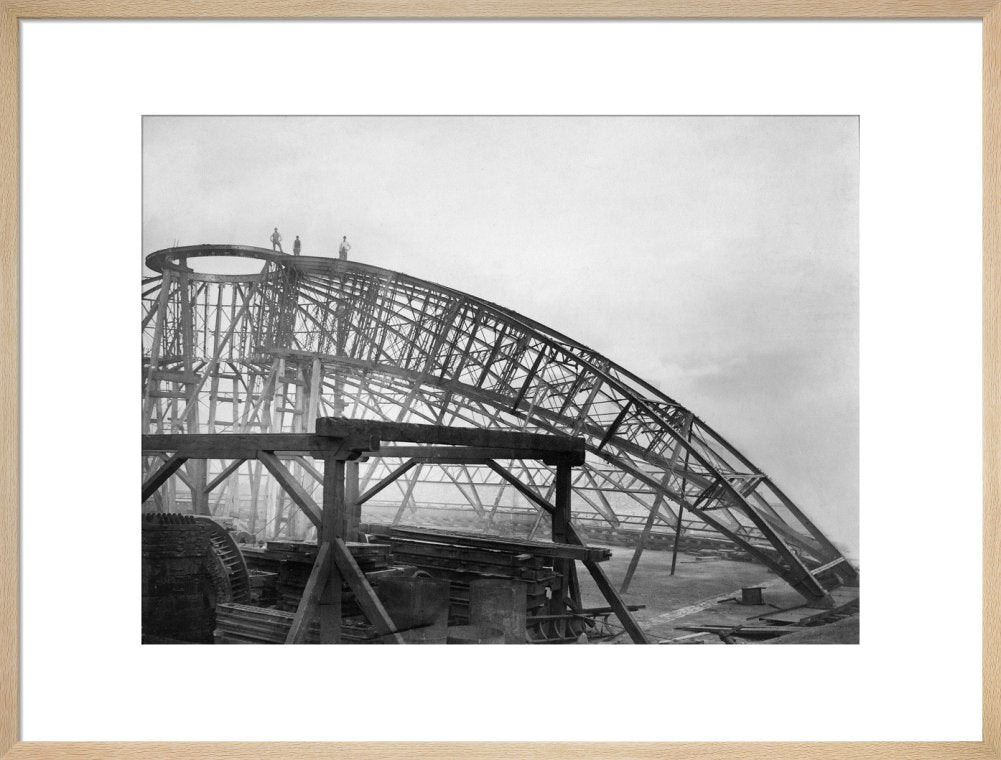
309	337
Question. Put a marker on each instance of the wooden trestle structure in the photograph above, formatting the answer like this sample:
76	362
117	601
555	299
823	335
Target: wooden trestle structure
340	443
314	337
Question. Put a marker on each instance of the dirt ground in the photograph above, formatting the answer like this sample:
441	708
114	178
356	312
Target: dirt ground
678	600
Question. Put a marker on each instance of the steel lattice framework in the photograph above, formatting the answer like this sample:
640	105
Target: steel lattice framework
311	337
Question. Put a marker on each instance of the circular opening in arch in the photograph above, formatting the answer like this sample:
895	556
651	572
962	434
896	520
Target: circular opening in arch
215	263
232	265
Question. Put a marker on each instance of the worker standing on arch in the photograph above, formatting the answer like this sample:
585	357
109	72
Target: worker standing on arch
276	241
296	246
345	247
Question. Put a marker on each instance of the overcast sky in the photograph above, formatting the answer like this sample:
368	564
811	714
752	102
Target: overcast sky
717	258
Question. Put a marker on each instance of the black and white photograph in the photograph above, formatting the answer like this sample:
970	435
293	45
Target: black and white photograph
584	380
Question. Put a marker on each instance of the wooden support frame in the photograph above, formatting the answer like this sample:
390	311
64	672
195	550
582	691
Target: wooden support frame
337	519
604	585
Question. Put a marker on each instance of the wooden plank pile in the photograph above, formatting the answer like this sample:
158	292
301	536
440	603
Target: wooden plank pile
291	562
461	558
536	548
244	624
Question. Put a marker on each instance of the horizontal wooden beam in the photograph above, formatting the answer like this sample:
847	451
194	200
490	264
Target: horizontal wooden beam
574	550
533	443
472	454
247	445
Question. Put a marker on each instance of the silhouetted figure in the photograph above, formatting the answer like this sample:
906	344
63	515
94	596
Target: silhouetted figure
276	241
296	246
345	247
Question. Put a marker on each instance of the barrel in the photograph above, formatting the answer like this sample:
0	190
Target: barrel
415	602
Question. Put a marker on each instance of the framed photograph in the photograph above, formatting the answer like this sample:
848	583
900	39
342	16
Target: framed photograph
609	332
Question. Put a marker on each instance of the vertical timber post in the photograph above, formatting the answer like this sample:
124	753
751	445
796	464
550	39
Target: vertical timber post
352	509
561	524
331	527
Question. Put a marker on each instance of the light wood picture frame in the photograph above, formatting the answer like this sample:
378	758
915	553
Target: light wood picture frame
12	12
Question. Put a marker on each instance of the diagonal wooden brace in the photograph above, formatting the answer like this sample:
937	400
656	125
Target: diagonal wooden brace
158	478
364	593
291	486
306	611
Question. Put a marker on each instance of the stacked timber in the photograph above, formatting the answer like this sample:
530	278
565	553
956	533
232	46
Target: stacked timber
462	558
291	562
243	624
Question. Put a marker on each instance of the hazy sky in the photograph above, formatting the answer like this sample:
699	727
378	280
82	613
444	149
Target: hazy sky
717	258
